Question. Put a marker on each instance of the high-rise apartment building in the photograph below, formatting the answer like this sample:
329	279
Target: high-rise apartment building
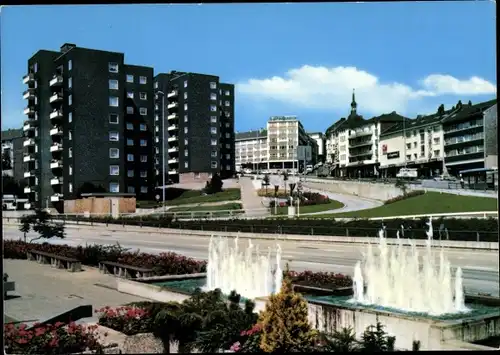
193	127
89	119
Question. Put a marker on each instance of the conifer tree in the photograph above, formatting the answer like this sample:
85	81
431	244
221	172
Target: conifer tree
284	322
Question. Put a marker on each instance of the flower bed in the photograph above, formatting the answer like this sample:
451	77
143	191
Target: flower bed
128	320
306	199
162	264
404	197
327	280
50	339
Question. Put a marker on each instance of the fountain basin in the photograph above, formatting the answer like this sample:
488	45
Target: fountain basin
330	313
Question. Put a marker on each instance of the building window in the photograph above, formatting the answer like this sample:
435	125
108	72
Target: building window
213	108
130	110
227	93
70	153
130	126
114	137
226	103
70	136
113	118
228	156
157	150
213	119
113	67
214	154
114	187
144	143
228	135
157	117
156	85
228	167
185	118
213	85
70	187
228	146
143	80
142	127
144	189
130	142
143	111
114	153
185	83
144	158
186	141
130	94
113	84
130	78
70	64
70	100
70	170
144	173
214	164
213	142
185	107
131	190
113	101
186	164
130	173
157	139
185	130
70	117
130	157
213	130
70	83
227	125
143	96
114	170
213	96
186	152
185	96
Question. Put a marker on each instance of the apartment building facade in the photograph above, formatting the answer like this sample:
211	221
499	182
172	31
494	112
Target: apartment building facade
90	121
12	153
320	140
251	150
194	127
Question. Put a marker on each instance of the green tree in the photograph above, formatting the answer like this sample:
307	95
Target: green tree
343	341
469	103
214	185
375	339
285	178
440	110
41	223
285	326
266	181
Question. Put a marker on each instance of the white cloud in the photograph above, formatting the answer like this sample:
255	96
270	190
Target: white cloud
331	89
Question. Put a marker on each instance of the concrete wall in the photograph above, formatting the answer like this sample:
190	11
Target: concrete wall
361	189
185	178
99	205
151	292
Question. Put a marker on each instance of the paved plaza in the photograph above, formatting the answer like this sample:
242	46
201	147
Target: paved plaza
46	292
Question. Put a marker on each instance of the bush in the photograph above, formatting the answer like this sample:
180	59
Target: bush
50	339
404	197
270	193
129	320
313	198
329	280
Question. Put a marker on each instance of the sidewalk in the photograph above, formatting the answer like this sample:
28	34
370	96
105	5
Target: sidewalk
252	203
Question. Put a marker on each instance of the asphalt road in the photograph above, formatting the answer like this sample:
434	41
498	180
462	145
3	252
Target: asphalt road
480	268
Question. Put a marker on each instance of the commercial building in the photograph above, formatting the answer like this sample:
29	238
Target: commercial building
89	121
275	148
12	153
194	127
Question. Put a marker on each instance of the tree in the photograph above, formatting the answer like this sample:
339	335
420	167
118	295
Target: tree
285	326
214	185
375	339
265	181
89	188
459	104
285	179
469	103
6	161
440	110
40	222
343	341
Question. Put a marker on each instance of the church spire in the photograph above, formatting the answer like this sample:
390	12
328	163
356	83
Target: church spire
354	105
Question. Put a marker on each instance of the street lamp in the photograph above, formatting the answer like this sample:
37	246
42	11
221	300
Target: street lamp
163	143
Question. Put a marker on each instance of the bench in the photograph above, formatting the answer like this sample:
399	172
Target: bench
125	271
56	261
8	286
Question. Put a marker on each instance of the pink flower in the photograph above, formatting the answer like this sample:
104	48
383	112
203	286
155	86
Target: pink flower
235	347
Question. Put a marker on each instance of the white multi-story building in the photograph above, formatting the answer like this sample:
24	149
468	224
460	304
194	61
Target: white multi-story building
319	138
251	150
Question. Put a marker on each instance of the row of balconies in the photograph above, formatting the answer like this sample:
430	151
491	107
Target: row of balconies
56	80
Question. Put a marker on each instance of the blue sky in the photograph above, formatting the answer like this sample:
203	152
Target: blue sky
285	59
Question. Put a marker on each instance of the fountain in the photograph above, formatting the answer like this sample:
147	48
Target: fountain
249	273
396	271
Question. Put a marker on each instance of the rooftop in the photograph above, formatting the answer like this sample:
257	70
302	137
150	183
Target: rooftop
241	136
11	134
462	112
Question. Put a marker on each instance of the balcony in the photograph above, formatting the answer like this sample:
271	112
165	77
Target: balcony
173	172
28	142
56	97
28	127
29	94
173	150
172	93
173	128
30	110
360	144
56	181
173	105
56	197
172	116
29	78
28	158
173	161
28	174
56	114
57	80
56	164
173	139
27	190
56	131
360	134
56	147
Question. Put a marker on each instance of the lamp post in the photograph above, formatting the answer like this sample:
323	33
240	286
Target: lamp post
162	143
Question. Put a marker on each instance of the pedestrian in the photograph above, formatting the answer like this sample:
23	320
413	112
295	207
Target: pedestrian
462	182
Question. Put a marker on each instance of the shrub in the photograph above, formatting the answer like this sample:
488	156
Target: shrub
50	339
320	279
313	198
404	197
270	193
129	320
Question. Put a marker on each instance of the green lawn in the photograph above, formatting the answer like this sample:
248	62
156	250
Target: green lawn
333	205
429	203
196	196
202	211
